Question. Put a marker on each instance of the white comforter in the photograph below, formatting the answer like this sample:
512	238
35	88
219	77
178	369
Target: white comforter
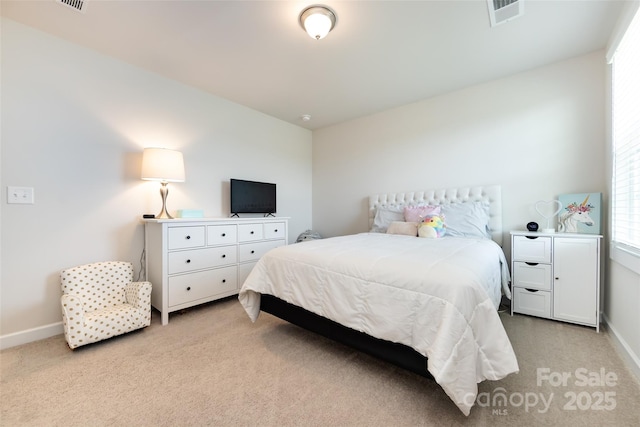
438	296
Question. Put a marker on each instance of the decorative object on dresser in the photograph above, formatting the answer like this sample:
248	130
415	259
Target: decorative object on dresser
556	276
193	261
582	213
548	210
100	300
160	164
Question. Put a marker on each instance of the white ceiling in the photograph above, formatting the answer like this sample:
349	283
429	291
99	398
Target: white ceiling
381	54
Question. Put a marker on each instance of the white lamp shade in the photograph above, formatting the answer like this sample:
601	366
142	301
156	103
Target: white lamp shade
317	25
317	21
160	164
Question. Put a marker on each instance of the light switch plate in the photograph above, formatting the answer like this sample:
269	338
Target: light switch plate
20	195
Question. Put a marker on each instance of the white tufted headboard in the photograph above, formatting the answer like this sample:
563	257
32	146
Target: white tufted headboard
491	194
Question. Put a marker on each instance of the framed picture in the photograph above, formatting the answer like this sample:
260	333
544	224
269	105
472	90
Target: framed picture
581	213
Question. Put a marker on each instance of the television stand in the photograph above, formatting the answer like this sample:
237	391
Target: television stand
267	215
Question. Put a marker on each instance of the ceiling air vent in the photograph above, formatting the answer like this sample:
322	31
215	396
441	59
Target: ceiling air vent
501	11
77	5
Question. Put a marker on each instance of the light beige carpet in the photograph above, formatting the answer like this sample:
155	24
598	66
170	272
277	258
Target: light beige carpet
211	366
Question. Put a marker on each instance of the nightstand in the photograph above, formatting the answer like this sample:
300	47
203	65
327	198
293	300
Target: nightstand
556	276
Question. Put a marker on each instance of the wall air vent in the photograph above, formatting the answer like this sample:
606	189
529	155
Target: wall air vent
501	11
77	5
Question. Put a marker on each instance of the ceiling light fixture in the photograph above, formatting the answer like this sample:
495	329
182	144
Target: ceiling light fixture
318	20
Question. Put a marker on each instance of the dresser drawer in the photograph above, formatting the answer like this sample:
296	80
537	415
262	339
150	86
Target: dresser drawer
250	232
274	230
535	249
243	272
222	234
533	302
191	287
254	251
533	276
224	255
185	237
198	259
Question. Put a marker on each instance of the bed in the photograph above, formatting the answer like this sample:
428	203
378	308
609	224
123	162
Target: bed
426	304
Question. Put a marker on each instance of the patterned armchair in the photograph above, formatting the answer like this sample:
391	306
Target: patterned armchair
100	301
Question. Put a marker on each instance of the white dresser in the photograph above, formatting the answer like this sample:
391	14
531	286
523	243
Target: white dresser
196	260
556	276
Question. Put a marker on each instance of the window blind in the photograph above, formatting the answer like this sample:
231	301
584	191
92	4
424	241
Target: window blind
626	139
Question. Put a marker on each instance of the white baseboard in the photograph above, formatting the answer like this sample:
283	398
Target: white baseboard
631	359
30	335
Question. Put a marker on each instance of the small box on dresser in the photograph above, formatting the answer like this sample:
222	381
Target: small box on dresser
193	261
556	276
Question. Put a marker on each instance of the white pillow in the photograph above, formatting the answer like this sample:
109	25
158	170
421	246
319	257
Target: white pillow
418	213
467	219
402	227
385	215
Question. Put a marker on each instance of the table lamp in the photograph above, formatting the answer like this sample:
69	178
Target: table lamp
160	164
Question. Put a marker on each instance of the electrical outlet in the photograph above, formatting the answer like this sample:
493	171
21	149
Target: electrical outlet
21	195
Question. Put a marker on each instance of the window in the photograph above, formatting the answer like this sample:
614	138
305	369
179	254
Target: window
625	192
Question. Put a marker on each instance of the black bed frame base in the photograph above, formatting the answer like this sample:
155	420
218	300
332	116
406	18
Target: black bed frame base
398	354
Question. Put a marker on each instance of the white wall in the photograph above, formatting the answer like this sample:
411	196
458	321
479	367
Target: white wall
74	123
622	312
538	134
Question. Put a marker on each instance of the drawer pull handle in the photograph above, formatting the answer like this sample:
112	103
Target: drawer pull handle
224	280
251	231
531	263
224	256
253	252
531	237
224	234
188	237
188	288
531	290
188	261
275	231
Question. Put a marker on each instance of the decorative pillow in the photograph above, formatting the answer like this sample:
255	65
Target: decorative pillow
420	212
433	227
402	227
467	219
385	215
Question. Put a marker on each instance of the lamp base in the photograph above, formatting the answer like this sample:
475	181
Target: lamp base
164	190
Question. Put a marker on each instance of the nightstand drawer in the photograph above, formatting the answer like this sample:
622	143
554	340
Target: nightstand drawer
533	276
185	237
531	249
187	288
533	302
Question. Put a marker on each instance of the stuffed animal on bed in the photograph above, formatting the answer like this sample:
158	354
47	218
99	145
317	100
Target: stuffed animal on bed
432	227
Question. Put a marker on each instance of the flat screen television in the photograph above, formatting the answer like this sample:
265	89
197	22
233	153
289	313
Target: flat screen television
252	197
